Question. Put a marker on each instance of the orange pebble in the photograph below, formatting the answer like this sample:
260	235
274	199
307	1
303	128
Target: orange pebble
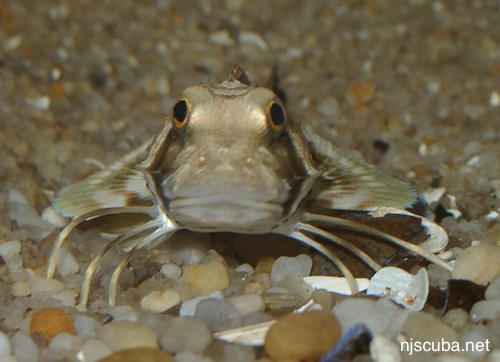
51	321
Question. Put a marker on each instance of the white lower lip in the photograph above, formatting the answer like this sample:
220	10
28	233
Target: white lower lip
225	210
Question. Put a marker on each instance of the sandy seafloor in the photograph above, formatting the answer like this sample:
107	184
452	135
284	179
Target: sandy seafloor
413	86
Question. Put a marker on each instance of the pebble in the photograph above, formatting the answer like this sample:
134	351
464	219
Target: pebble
94	350
66	297
422	326
485	310
191	357
124	313
9	249
51	321
493	290
189	307
248	303
158	302
238	353
478	264
297	286
245	268
139	355
360	94
44	285
86	327
66	263
20	289
380	316
255	318
188	248
218	315
456	318
382	349
303	336
123	335
185	334
299	266
51	216
171	271
265	264
25	349
205	278
5	348
258	284
478	335
64	346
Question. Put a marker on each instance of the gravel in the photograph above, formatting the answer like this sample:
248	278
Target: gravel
413	88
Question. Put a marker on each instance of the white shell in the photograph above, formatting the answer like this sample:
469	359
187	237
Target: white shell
337	285
437	239
248	336
408	290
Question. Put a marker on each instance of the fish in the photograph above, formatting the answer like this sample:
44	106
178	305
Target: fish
228	158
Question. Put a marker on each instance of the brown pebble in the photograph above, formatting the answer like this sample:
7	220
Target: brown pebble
51	321
360	94
205	278
303	336
139	355
264	265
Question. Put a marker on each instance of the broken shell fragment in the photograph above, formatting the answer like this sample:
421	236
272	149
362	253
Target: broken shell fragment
406	289
337	285
437	239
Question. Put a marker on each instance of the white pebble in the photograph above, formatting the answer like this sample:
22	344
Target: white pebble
86	327
185	334
382	349
26	215
493	290
124	335
124	313
25	349
221	38
171	271
485	310
41	103
248	303
17	197
191	357
66	297
43	285
299	266
189	307
20	289
65	341
251	38
158	302
93	350
245	268
495	99
219	315
66	263
52	217
5	349
9	249
381	316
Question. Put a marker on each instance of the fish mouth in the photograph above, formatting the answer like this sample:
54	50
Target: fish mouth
223	212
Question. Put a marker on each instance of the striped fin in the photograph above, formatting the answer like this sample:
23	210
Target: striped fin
104	189
348	183
120	185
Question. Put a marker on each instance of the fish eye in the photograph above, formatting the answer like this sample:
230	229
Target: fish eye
276	116
180	113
